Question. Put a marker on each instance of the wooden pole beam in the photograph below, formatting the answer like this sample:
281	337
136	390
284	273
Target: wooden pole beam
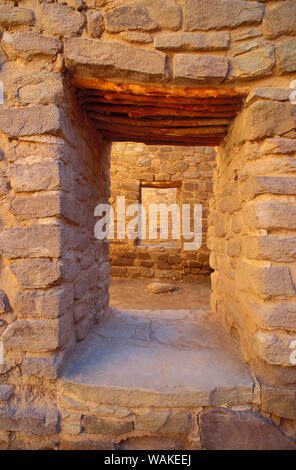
148	111
100	84
156	122
162	131
202	104
170	101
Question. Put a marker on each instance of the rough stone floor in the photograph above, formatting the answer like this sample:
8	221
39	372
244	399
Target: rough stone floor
159	350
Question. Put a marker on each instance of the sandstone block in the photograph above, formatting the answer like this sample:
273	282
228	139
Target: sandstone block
40	175
200	68
103	271
3	56
95	24
95	3
279	401
49	303
37	206
61	20
77	4
161	287
192	41
130	18
110	59
5	392
246	34
269	93
234	248
286	56
34	241
152	443
178	423
258	62
102	426
81	443
81	286
35	273
264	279
280	19
50	205
268	185
4	303
164	422
34	120
274	348
83	328
11	16
214	14
273	214
37	335
36	421
43	88
45	367
28	45
69	428
271	315
223	429
278	145
270	247
260	120
136	37
166	12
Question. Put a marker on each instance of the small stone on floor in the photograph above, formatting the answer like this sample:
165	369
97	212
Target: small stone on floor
161	287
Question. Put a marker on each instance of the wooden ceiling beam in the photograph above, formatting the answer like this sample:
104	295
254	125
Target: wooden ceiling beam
203	104
157	122
183	143
126	98
149	111
93	83
163	138
162	131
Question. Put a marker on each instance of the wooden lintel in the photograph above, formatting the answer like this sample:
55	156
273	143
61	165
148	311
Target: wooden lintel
161	184
162	131
198	140
100	84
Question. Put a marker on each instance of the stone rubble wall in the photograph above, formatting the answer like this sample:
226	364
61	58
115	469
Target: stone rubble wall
252	236
47	156
134	164
235	426
54	274
193	42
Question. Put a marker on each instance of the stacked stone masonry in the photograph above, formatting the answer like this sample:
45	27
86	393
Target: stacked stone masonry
54	169
133	165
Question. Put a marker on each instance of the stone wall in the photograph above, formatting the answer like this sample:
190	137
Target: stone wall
54	170
87	426
251	236
193	42
54	273
133	165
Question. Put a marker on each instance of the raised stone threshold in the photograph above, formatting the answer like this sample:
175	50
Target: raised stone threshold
161	379
163	358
